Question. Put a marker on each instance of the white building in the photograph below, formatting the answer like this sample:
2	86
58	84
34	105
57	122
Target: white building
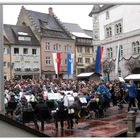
115	25
24	52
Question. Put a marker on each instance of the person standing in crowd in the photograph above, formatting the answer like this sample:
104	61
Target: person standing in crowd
116	94
68	101
22	106
132	94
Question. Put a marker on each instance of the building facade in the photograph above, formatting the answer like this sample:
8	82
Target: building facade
21	53
53	37
83	46
118	25
7	59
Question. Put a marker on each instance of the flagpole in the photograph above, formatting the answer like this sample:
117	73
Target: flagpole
117	61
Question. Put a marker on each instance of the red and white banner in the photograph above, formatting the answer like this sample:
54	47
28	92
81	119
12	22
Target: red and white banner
56	62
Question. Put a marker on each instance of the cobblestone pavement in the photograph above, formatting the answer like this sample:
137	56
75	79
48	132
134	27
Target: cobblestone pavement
112	124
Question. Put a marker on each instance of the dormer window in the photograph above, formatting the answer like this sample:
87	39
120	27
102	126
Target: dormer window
22	36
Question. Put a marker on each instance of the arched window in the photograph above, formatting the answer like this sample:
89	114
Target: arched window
118	28
108	32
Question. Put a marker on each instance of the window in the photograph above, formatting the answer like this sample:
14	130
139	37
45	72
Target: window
4	64
79	49
24	38
36	62
34	51
57	47
136	47
65	61
60	49
87	60
4	50
109	53
107	15
93	49
80	61
121	50
118	28
25	51
27	62
68	48
87	50
47	46
48	60
108	32
16	50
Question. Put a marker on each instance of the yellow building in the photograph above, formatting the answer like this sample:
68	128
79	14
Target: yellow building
84	55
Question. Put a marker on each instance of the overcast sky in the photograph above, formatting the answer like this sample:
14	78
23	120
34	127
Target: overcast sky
66	13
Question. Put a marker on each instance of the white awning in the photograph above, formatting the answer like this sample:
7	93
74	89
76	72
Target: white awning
133	77
85	74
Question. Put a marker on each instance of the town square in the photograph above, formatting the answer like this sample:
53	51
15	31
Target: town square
68	79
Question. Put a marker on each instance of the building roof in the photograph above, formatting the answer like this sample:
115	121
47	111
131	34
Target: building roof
48	23
44	20
76	30
13	31
98	8
89	32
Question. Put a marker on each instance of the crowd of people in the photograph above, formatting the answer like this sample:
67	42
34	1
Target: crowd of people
92	95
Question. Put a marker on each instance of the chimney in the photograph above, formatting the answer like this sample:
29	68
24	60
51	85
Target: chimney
50	11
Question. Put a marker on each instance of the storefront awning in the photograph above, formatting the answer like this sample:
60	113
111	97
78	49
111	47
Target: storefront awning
133	77
85	74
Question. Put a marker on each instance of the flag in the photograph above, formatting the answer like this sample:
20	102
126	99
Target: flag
56	62
99	53
70	63
117	59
